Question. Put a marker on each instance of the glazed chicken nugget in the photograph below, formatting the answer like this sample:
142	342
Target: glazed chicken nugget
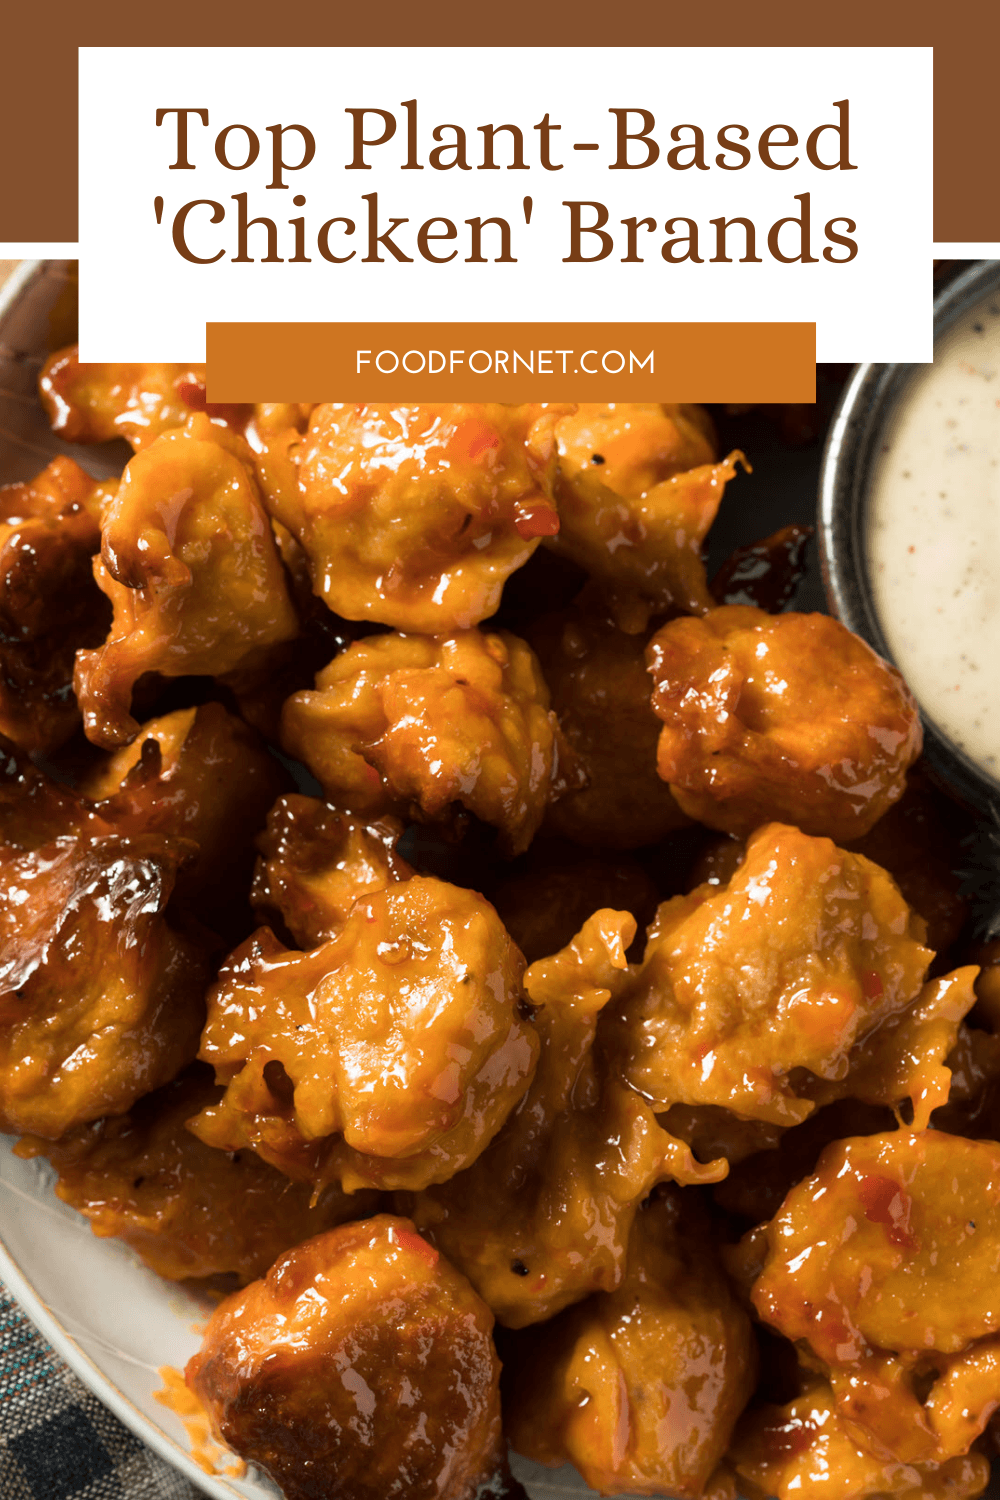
316	862
268	678
906	1060
360	1368
919	841
601	696
189	563
787	717
757	1185
388	1057
199	774
50	606
908	1055
800	956
401	721
884	1263
543	1217
187	1210
636	521
633	446
804	1448
640	1387
101	997
93	403
415	516
973	1106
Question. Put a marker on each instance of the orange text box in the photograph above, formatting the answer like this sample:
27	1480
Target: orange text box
732	362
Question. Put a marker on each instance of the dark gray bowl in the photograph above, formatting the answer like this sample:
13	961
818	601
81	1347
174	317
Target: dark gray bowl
868	403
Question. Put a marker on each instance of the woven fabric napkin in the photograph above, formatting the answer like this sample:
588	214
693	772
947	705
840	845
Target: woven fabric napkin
57	1441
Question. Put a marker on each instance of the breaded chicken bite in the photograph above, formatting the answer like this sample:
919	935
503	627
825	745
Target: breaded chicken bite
884	1264
388	1057
601	693
415	516
50	606
780	717
631	446
413	722
637	489
189	562
546	897
360	1368
543	1217
640	1387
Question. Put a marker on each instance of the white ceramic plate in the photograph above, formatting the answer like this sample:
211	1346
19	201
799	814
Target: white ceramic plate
114	1322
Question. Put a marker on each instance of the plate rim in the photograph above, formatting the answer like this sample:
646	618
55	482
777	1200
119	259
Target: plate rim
102	1386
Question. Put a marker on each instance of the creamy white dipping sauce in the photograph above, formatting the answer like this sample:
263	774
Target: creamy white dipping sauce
933	540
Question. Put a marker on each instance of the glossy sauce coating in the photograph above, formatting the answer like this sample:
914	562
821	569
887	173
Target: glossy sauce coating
787	717
189	564
544	900
637	523
919	841
633	446
315	862
786	968
885	1263
543	1218
758	1183
101	997
805	1448
931	539
186	1209
640	1387
402	1037
198	774
267	678
415	516
360	1368
401	720
49	604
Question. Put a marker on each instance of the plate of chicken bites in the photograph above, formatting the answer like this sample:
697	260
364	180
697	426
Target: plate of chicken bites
485	1009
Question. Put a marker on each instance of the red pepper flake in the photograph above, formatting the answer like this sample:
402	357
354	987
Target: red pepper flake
408	1239
473	439
885	1202
871	985
192	392
537	518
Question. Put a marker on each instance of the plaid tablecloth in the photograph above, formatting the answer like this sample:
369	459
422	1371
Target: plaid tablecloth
57	1442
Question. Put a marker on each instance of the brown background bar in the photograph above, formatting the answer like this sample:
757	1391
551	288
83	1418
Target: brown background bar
38	100
691	361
